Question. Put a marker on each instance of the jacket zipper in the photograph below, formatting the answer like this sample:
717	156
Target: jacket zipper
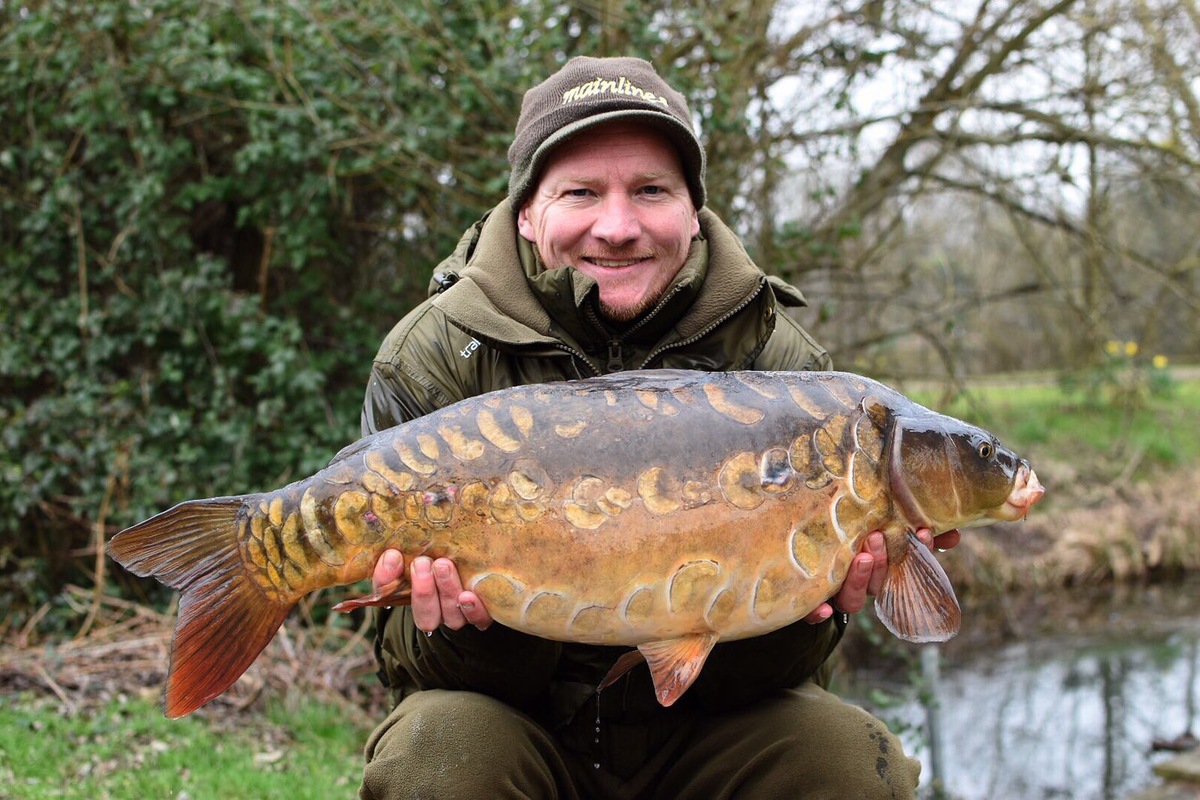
616	356
698	336
578	356
615	362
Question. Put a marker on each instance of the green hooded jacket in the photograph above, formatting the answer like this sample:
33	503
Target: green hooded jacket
499	319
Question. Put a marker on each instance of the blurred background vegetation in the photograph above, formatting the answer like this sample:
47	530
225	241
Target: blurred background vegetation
211	213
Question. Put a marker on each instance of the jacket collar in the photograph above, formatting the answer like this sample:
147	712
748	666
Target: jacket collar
497	300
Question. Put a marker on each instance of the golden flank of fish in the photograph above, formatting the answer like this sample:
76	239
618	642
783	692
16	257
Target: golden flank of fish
665	510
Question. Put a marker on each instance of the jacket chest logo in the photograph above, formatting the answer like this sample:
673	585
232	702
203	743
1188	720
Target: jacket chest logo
470	349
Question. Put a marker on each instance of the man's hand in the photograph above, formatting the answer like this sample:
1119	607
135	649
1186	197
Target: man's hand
438	597
867	571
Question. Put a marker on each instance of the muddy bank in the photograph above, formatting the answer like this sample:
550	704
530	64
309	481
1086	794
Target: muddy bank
1085	535
1089	552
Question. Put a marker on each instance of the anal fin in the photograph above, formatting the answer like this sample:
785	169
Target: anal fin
676	663
917	602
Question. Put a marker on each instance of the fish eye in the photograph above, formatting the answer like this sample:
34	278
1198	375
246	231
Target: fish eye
986	450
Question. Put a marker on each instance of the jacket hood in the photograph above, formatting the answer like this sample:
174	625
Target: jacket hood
495	301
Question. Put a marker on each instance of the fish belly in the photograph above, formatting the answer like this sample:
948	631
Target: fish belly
617	515
649	579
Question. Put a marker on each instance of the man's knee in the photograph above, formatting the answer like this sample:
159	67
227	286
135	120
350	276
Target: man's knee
441	744
803	743
862	758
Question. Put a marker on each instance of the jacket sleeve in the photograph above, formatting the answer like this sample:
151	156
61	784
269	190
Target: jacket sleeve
500	662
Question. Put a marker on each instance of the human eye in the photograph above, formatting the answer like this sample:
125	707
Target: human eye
575	188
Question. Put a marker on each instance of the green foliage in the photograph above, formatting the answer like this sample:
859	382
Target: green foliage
126	748
135	371
211	214
1099	442
1123	377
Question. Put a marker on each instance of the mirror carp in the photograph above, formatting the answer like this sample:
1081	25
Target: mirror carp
661	509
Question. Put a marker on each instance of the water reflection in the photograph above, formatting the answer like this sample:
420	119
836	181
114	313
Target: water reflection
1056	716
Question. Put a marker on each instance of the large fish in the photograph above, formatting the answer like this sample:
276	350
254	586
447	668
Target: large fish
666	510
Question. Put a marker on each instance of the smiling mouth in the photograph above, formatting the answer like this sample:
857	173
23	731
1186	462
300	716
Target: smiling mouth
615	263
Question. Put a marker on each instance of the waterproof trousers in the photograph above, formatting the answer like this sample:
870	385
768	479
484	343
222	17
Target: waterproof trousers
801	743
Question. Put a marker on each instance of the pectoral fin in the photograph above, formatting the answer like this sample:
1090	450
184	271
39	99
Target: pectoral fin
917	602
676	663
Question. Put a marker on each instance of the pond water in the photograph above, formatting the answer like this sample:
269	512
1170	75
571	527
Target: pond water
1069	707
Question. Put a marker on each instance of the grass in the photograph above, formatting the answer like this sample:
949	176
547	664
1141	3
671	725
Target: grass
122	747
125	748
80	715
1100	439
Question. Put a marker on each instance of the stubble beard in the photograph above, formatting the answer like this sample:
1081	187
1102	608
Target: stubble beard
625	314
622	314
630	312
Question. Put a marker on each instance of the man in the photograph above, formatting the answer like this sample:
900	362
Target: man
603	258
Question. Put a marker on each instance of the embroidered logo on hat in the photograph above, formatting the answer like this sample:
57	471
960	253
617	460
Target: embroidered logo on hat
620	86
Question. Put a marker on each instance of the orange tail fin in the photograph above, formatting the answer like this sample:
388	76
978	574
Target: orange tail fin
225	619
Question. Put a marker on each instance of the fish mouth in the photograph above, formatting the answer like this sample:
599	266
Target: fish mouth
1026	491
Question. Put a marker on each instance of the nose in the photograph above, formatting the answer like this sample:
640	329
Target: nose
616	222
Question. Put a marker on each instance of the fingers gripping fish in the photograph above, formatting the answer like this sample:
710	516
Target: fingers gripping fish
718	506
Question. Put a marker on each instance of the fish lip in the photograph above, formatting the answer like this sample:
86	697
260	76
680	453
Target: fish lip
1026	491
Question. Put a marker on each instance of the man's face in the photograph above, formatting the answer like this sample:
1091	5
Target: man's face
613	202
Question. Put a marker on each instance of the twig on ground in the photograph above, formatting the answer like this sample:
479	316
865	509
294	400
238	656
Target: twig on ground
54	687
125	650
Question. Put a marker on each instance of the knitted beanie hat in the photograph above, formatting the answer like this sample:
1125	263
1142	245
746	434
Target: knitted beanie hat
590	91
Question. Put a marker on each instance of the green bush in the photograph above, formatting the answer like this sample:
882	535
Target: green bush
209	217
211	214
1122	377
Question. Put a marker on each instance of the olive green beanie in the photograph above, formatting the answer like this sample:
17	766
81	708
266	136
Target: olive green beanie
590	91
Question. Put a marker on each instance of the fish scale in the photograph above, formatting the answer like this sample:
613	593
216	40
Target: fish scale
663	510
